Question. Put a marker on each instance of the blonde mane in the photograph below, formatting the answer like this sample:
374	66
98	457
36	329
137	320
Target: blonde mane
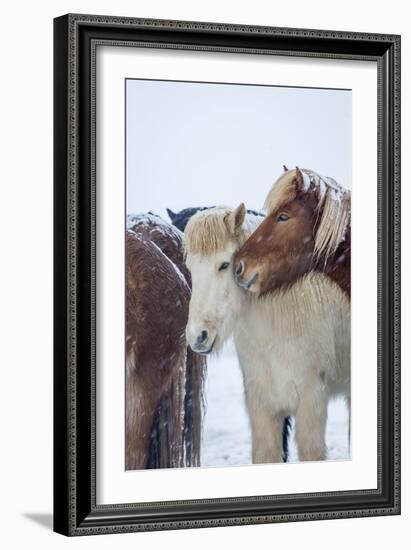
334	199
208	231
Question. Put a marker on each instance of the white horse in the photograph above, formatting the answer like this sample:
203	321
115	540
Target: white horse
293	347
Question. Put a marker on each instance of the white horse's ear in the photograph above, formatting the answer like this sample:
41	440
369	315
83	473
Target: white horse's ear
235	220
285	168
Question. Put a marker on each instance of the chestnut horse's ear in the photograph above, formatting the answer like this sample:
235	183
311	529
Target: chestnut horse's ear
300	178
235	220
303	181
285	168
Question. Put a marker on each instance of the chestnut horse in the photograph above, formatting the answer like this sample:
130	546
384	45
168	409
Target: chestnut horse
307	229
293	347
164	379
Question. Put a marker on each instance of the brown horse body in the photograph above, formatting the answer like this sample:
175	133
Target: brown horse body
164	380
307	229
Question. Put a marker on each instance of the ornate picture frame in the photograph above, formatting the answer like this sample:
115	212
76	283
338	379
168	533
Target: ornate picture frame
76	39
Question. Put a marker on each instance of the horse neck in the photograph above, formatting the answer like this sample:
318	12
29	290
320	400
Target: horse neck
284	316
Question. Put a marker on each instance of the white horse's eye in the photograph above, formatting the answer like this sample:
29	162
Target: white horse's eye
223	266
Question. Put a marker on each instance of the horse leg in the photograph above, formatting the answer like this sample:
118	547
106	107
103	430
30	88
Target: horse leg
266	428
310	424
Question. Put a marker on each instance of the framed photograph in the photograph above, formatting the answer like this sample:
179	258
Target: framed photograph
227	277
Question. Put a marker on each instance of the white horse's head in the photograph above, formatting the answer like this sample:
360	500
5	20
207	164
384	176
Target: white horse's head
211	238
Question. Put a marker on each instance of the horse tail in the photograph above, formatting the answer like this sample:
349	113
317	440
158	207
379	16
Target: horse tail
166	449
287	424
193	407
157	436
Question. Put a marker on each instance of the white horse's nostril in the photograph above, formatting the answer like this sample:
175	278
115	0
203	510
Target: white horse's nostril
240	268
202	337
203	342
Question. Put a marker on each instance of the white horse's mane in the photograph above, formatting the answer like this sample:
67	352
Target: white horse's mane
209	231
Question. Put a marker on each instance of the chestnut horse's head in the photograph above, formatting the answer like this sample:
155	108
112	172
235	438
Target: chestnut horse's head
307	219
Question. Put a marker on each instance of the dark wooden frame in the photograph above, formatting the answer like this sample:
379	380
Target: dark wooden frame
75	40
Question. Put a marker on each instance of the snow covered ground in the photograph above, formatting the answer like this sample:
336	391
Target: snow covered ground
227	436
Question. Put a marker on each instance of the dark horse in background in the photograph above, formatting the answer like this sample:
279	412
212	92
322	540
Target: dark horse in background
180	220
164	378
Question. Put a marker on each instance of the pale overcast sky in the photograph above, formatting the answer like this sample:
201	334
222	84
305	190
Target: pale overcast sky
195	144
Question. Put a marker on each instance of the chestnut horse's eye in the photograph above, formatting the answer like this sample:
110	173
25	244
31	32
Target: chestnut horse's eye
283	218
223	266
